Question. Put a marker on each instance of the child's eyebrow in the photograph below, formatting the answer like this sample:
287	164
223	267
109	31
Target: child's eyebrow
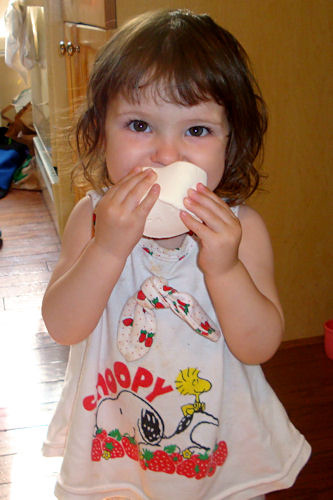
134	114
202	119
130	110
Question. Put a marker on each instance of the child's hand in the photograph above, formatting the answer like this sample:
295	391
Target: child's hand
219	232
121	215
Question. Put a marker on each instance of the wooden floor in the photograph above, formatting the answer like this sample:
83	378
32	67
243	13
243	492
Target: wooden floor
31	365
32	368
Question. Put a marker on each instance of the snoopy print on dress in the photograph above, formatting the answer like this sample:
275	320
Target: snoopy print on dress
149	444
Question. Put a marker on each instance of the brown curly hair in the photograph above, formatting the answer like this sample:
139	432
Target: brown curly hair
193	59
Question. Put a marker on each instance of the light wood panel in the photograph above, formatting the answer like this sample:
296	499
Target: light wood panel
102	14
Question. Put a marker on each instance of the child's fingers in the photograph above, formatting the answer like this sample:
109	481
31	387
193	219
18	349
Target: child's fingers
207	198
194	225
149	201
139	191
133	186
127	178
211	216
209	208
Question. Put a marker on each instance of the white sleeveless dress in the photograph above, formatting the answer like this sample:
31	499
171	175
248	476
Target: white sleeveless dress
186	419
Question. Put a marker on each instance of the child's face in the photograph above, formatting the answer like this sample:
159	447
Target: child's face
156	133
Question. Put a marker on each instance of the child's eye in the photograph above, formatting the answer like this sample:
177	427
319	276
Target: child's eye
139	126
198	131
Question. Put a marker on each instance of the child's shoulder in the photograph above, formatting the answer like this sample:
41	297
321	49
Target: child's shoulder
256	244
77	234
82	213
78	230
250	219
256	253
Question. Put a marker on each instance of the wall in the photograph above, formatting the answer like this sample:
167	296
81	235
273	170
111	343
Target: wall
289	42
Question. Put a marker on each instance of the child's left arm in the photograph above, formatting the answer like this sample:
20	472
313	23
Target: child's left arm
237	261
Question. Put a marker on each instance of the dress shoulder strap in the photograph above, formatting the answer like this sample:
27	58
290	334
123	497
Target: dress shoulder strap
95	197
235	210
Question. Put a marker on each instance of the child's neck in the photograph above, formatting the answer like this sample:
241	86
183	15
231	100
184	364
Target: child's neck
171	243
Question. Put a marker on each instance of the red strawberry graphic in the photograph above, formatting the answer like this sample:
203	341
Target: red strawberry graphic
187	467
174	454
157	304
141	295
211	467
183	306
101	434
220	453
206	326
201	465
149	339
142	461
176	457
147	250
144	458
128	321
113	446
181	303
96	450
143	335
160	462
130	447
169	289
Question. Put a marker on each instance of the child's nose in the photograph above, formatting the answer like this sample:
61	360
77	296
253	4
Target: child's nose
166	151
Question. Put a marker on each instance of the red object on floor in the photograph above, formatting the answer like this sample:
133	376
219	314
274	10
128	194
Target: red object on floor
328	331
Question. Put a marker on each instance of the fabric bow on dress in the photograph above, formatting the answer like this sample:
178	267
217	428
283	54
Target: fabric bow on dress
137	326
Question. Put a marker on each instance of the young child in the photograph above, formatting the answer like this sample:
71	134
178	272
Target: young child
157	402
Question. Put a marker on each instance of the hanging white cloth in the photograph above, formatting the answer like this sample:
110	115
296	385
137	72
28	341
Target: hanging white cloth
18	45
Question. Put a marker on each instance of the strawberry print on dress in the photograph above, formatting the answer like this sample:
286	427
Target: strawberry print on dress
137	325
168	460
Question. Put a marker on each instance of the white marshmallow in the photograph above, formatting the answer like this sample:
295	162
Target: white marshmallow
163	220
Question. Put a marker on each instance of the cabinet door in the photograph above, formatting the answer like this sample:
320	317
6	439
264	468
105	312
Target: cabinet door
101	13
82	43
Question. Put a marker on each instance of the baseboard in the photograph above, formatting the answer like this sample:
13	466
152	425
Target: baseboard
288	344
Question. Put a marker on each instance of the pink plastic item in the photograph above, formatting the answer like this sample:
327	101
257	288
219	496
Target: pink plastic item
328	331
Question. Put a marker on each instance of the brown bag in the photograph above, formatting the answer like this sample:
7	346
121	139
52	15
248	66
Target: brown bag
20	125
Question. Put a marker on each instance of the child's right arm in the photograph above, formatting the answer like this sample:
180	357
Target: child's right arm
89	267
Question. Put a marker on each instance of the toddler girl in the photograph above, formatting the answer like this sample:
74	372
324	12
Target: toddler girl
158	403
